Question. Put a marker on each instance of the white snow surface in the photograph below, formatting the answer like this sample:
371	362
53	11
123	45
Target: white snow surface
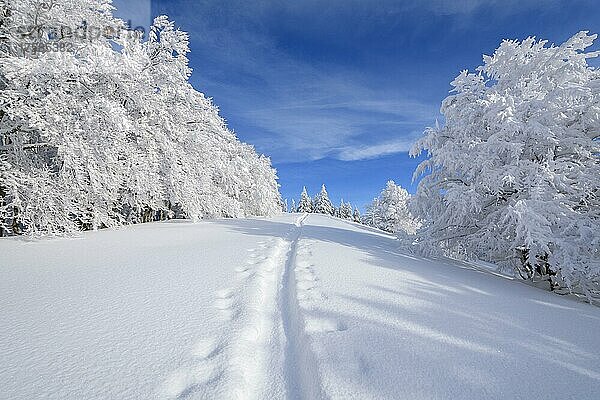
293	307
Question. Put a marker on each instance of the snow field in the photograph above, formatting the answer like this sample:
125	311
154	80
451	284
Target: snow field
294	307
395	326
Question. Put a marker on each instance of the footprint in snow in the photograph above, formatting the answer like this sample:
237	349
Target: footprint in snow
225	293
256	332
306	275
306	285
224	303
245	273
227	315
257	256
302	264
207	348
316	325
254	260
185	381
266	272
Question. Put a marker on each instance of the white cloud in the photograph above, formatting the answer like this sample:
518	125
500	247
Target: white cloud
313	116
356	109
366	152
299	110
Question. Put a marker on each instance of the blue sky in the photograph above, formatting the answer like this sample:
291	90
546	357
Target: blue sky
336	91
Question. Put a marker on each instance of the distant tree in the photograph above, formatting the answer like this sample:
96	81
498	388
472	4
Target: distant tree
322	204
345	210
371	215
389	211
356	216
305	205
293	207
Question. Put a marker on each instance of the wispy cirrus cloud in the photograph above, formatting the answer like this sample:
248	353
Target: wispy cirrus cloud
285	73
366	152
342	118
288	106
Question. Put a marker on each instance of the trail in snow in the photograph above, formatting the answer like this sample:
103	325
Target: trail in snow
264	352
301	366
238	363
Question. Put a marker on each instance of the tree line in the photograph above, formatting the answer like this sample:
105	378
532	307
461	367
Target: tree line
99	130
321	204
388	211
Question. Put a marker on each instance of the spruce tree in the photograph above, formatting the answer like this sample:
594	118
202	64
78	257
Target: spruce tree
322	204
338	210
356	216
345	210
305	205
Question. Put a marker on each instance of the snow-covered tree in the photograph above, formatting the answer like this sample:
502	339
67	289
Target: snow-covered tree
370	217
305	205
389	211
99	128
513	176
293	206
345	210
322	204
356	216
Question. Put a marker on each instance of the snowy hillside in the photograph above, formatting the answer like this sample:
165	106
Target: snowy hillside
296	307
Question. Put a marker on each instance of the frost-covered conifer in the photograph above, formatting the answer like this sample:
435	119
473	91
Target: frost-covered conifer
322	204
305	205
345	210
356	216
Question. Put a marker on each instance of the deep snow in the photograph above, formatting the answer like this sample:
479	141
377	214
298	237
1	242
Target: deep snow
292	307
